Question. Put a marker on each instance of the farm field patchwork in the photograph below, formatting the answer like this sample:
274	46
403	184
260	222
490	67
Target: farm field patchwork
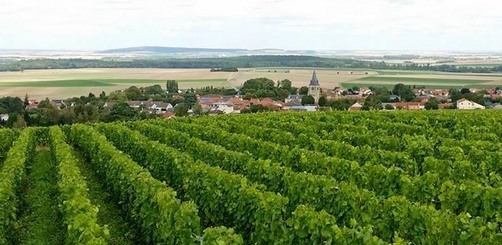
39	84
290	178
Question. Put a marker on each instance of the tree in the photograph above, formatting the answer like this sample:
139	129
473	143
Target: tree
323	101
342	104
46	103
197	109
405	92
389	107
432	104
12	104
133	93
155	89
190	99
122	112
465	91
308	100
181	110
304	90
26	101
19	123
172	86
102	96
285	84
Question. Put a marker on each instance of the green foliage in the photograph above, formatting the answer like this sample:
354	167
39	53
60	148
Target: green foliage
181	110
7	137
320	228
419	188
308	100
12	173
147	200
405	92
241	61
323	101
172	86
342	104
225	69
304	90
80	214
263	88
221	236
432	104
203	184
122	112
154	90
12	105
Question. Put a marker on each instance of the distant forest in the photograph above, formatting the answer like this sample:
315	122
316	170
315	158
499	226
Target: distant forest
241	62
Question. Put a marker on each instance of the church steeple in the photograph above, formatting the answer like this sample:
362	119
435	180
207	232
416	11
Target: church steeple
314	81
314	87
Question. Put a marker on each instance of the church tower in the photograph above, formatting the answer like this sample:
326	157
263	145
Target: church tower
315	88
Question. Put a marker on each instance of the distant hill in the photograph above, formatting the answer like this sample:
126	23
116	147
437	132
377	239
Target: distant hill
168	50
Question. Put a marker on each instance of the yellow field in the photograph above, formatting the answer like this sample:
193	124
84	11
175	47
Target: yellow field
57	84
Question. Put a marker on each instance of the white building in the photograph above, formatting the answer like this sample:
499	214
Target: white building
224	107
464	104
4	117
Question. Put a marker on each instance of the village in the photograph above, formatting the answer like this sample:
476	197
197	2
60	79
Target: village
314	99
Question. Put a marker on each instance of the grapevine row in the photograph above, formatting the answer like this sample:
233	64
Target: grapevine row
386	182
154	208
343	200
80	215
12	173
226	197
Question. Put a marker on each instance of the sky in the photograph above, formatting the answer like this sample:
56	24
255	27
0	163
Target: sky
449	25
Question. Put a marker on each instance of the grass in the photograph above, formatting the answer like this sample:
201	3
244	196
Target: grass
109	212
40	222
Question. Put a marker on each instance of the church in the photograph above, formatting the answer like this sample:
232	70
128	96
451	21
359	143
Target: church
314	88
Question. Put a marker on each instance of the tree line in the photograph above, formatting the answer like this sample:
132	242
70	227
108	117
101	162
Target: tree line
229	64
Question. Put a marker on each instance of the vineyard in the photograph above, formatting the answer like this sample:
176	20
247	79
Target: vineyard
273	178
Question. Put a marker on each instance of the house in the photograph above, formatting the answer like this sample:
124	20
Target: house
409	106
301	108
365	92
224	107
394	97
464	104
271	104
293	97
4	117
159	107
168	114
155	107
445	105
355	107
339	91
388	106
239	104
58	103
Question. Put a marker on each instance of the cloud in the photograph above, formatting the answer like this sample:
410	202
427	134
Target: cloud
98	24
